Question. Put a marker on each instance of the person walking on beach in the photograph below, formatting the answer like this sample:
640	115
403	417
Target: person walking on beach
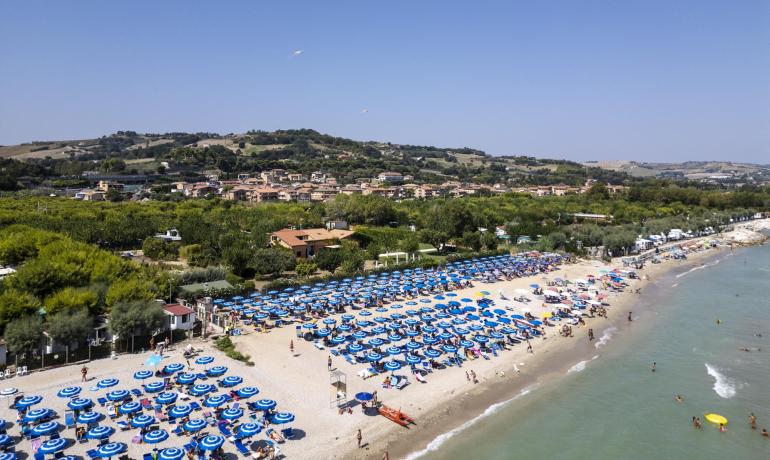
329	363
84	373
359	437
529	347
590	335
753	421
629	317
467	376
291	346
654	364
473	375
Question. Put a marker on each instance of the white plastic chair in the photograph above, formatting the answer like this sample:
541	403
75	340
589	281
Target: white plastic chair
8	373
23	370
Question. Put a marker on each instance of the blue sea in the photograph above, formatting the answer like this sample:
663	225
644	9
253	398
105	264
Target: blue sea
614	407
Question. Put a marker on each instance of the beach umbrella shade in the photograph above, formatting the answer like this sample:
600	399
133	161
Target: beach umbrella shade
215	401
195	425
107	383
394	337
373	357
155	436
430	340
449	348
232	414
247	392
142	421
481	339
28	401
173	368
130	407
281	418
323	332
112	449
172	453
393	351
364	396
89	417
186	378
337	340
68	392
265	404
100	432
5	440
355	348
33	415
231	381
432	353
411	359
201	389
142	375
392	366
166	397
154	387
204	360
212	442
52	446
413	345
46	428
79	403
8	391
249	429
8	456
118	395
216	371
179	411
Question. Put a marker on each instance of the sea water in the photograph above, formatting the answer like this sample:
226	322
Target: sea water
612	406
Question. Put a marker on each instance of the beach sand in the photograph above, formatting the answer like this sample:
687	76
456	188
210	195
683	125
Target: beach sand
300	381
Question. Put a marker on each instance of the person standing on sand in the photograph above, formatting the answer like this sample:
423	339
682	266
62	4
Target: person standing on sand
329	363
467	376
473	375
84	373
590	335
629	317
359	437
529	347
385	456
291	346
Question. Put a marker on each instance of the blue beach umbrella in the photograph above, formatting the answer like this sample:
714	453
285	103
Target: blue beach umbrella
212	442
100	432
33	415
231	381
265	404
413	345
46	428
172	453
118	395
466	343
142	375
166	397
393	351
195	425
154	387
155	436
112	449
179	411
216	371
5	440
247	392
28	401
186	378
8	456
355	348
215	401
373	357
392	366
201	389
432	353
364	396
68	392
173	368
337	340
231	414
89	417
281	418
52	446
130	407
107	383
249	429
411	359
142	421
449	348
79	403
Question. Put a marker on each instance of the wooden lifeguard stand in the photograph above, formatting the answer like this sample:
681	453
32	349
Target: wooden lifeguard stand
339	389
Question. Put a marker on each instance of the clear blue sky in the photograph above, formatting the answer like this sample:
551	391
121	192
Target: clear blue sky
655	80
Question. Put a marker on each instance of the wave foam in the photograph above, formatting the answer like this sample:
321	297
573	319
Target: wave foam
724	386
579	367
699	267
606	337
439	440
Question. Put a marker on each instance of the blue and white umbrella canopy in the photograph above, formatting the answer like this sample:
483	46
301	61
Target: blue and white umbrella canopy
171	453
155	436
216	371
373	357
201	389
186	378
364	396
195	425
215	401
130	407
8	456
355	348
392	366
481	339
33	415
231	414
46	428
89	417
204	360
118	395
8	391
449	348
142	421
247	392
265	404
281	418
112	449
179	411
231	381
249	429
100	432
167	397
212	442
337	340
28	401
107	383
466	343
173	368
52	446
411	359
432	353
154	387
5	440
79	403
142	375
413	345
68	392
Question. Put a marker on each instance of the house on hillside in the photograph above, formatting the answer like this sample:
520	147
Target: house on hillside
306	243
178	317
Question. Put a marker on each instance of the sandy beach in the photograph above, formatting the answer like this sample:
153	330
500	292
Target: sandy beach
300	381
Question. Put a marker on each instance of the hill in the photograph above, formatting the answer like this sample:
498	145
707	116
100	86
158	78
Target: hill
704	171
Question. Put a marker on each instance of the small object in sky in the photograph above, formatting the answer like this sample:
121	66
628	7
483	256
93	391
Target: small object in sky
364	110
296	53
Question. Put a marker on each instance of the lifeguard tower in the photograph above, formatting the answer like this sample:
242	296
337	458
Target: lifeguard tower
339	389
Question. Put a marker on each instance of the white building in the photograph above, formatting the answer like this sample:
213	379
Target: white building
179	317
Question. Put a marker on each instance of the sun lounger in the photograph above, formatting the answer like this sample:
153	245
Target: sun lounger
402	382
102	401
364	373
123	425
195	405
275	436
136	392
349	358
420	378
318	345
334	352
93	454
147	456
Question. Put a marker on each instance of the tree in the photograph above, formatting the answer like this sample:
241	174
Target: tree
598	191
435	238
489	240
128	319
72	299
16	304
68	327
133	288
23	334
409	245
472	240
328	259
273	261
305	268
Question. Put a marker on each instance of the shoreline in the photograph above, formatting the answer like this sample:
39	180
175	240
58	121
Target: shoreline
441	422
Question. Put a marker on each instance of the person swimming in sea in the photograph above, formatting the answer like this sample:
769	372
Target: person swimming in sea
679	398
722	428
765	433
654	364
753	421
